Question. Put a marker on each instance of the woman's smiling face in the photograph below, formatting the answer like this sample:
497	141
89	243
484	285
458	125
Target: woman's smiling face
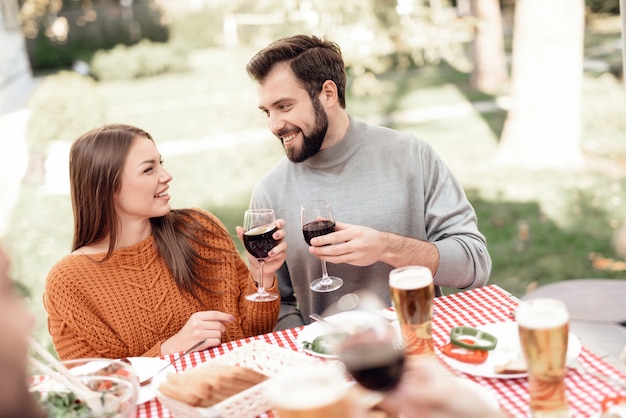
143	191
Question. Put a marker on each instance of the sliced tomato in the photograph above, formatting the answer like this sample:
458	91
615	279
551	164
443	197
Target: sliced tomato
466	355
609	402
122	372
105	386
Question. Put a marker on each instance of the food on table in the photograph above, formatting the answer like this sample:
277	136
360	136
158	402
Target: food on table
466	355
473	338
515	365
112	369
324	344
613	407
62	404
111	381
209	384
469	345
65	404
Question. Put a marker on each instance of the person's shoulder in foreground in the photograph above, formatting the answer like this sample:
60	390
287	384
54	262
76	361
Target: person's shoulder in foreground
15	325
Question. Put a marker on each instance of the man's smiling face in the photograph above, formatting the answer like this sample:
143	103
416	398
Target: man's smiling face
299	122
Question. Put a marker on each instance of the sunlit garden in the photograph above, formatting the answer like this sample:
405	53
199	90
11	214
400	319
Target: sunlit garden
541	225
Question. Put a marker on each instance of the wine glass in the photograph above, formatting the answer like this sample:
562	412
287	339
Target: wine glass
317	219
372	351
259	227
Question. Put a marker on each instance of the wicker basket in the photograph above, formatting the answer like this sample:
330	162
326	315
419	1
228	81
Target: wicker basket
259	356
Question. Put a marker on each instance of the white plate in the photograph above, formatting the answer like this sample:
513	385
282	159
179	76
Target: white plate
508	347
346	320
389	314
144	368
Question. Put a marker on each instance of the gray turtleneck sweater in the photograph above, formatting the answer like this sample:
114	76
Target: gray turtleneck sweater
383	179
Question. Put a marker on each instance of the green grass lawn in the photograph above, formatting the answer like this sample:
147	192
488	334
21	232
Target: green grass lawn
568	215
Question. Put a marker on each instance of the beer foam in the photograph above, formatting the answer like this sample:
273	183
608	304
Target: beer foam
307	396
307	389
410	278
541	314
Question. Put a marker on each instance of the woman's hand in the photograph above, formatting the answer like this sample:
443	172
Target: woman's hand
203	325
277	255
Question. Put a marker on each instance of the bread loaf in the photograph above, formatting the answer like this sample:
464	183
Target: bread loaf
516	365
208	384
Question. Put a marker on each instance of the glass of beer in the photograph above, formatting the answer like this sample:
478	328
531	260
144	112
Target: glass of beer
412	292
311	392
544	330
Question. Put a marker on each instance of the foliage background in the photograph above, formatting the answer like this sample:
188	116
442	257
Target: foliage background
541	226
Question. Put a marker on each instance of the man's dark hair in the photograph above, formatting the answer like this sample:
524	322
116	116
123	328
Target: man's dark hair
313	61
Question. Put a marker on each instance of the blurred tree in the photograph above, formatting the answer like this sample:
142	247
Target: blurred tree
603	6
543	128
489	72
62	107
60	32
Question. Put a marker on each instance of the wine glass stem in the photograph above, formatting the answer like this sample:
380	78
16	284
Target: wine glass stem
325	279
260	287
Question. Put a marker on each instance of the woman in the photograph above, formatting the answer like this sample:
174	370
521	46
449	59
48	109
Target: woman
143	279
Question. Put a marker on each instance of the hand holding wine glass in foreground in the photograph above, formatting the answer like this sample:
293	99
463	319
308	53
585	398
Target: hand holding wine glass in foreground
373	355
428	390
371	349
317	219
259	227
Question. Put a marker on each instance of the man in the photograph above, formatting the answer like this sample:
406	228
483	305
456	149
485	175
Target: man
15	325
395	201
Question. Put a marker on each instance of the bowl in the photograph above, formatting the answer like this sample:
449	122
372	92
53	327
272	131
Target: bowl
115	381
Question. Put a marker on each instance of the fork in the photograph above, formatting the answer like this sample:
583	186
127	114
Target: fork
148	380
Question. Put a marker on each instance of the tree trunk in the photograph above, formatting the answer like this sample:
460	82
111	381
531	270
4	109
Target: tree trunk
490	72
36	169
543	127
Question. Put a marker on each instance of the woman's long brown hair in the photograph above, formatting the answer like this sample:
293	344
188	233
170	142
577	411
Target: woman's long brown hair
96	161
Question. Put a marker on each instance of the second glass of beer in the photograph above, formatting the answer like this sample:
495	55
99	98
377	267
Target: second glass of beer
544	331
412	292
310	392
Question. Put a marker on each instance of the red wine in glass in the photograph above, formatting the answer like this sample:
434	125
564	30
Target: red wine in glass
373	352
317	219
317	229
258	240
258	225
376	365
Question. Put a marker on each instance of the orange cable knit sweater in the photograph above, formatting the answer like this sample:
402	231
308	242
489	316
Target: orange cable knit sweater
128	305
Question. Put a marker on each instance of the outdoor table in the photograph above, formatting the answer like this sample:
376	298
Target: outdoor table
489	304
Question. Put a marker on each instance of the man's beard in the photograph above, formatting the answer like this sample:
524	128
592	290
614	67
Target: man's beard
312	143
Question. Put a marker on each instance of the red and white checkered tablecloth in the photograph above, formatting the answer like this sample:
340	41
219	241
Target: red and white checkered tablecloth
474	307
